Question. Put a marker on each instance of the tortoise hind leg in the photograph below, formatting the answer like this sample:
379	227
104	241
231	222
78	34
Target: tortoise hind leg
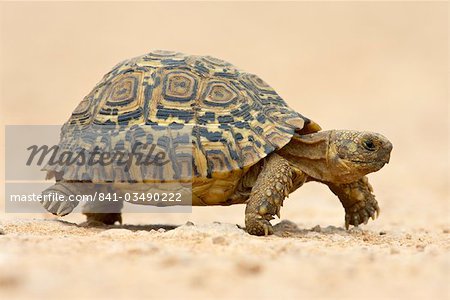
57	198
105	209
100	214
273	184
61	199
101	219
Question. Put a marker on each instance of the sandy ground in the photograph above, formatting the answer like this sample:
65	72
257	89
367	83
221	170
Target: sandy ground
371	66
48	259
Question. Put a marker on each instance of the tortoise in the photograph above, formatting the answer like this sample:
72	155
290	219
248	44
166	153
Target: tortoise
248	146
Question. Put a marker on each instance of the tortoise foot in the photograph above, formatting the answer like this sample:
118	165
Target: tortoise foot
101	219
60	204
256	224
361	212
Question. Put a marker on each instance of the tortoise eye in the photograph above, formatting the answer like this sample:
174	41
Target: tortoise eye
369	145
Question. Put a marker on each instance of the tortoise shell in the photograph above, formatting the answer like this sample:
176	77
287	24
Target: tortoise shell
235	118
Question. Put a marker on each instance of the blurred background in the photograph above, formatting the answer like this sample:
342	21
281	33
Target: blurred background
347	65
377	66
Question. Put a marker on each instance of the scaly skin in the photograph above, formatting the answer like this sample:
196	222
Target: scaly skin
358	201
274	183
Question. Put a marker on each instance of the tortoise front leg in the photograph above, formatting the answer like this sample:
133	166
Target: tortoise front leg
273	184
358	201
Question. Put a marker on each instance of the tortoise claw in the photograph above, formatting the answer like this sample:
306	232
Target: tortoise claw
258	225
361	212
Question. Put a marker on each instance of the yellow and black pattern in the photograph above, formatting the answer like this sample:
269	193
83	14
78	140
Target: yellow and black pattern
234	118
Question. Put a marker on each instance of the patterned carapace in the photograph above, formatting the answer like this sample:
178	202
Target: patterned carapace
235	118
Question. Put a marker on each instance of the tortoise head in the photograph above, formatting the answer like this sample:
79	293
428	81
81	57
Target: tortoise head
338	156
353	154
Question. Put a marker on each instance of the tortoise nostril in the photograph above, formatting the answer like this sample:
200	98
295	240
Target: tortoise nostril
388	146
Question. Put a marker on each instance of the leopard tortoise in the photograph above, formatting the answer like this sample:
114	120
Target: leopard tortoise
248	146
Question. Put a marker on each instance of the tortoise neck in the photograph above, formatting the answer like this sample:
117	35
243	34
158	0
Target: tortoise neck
309	153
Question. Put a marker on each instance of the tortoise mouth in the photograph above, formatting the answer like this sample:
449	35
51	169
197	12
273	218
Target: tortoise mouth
371	162
382	158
